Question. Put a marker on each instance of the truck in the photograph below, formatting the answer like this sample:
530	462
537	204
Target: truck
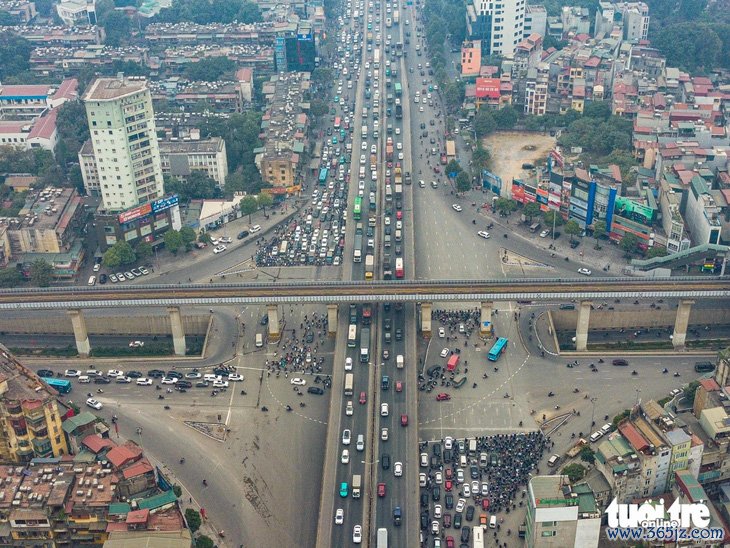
398	90
367	313
364	132
398	176
356	486
396	17
373	162
369	267
357	253
398	111
472	446
353	314
573	451
389	152
382	538
398	192
370	37
365	345
376	58
387	268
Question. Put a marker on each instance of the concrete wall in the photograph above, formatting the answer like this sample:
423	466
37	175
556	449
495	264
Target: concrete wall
101	324
641	317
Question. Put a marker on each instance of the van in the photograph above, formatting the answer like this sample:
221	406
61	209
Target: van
552	461
534	227
83	379
493	522
462	461
399	362
259	340
606	428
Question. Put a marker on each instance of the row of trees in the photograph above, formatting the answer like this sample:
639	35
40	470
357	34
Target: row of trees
251	204
210	11
197	186
488	121
462	179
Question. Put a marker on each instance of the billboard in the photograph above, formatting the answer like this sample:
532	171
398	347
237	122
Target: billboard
135	213
487	87
634	211
165	203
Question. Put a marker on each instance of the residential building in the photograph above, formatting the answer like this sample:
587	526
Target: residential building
53	35
177	93
244	77
28	102
71	59
635	20
619	463
536	90
5	253
39	133
672	221
535	20
77	12
498	24
122	126
89	171
180	158
605	19
284	128
299	49
493	93
528	54
560	515
471	58
575	20
30	415
704	212
21	10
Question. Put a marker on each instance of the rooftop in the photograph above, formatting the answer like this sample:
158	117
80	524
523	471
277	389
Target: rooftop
550	492
109	89
211	146
23	384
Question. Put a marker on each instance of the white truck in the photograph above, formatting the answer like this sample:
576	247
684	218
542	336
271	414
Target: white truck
356	486
369	267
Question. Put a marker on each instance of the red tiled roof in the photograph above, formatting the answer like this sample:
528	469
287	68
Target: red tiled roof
710	385
12	126
116	526
244	74
68	89
615	172
39	90
95	444
582	174
123	454
632	435
137	469
593	62
138	516
44	127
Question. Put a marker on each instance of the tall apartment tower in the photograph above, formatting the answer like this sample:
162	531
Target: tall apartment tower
499	24
122	126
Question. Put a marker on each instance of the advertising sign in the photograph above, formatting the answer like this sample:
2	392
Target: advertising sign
134	213
165	203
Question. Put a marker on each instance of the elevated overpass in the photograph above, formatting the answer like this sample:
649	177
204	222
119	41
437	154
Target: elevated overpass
332	293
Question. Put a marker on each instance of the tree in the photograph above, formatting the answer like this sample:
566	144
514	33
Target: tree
553	218
484	123
173	241
187	235
463	182
587	454
657	252
249	205
118	28
14	55
265	200
629	243
690	46
453	94
598	110
481	158
318	109
209	69
505	118
111	258
177	490
203	541
573	228
6	20
575	472
620	417
453	167
234	183
10	277
198	186
599	231
192	517
530	210
41	273
143	251
118	254
505	206
690	392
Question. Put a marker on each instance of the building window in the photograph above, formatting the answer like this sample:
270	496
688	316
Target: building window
548	533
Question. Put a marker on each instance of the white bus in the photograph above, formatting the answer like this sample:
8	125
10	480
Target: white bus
382	538
477	535
349	380
284	245
352	336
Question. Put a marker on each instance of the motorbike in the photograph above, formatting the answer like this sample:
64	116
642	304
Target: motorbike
288	408
634	372
160	397
551	394
676	374
505	235
167	407
575	390
182	460
600	360
665	370
473	221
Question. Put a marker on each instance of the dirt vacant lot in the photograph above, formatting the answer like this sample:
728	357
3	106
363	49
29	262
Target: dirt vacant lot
511	149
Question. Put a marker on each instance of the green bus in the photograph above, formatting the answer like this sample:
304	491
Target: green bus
357	212
398	89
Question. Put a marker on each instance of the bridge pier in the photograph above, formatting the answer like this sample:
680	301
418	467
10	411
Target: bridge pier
485	320
681	321
581	329
426	319
332	319
80	334
178	333
272	311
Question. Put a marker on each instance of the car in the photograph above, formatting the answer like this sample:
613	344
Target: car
434	524
437	511
620	362
483	234
136	344
349	409
381	490
128	275
461	504
443	396
193	375
115	373
363	398
348	364
442	332
448	484
545	233
383	409
143	270
459	476
404	420
457	208
156	373
144	381
457	520
235	377
449	501
444	352
438	478
345	457
422	183
435	493
339	516
254	229
102	380
71	373
168	380
399	386
124	380
134	374
45	373
346	436
357	534
242	234
202	384
675	392
297	381
219	249
113	278
584	271
398	469
315	390
344	489
466	490
384	434
94	404
136	272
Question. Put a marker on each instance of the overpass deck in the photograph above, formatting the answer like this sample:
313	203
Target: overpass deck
535	289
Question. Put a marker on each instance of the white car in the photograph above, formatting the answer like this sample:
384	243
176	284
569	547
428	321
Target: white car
115	373
298	381
448	442
339	516
442	332
456	207
444	352
544	234
398	469
483	234
220	384
254	229
384	434
235	377
584	271
357	534
437	511
467	490
346	436
193	375
71	373
439	479
348	364
345	458
124	380
434	524
383	409
422	183
168	380
144	382
219	249
94	404
461	504
349	409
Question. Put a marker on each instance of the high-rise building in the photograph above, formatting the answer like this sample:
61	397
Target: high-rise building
499	24
122	126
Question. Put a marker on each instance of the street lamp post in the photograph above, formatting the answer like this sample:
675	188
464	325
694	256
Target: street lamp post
593	413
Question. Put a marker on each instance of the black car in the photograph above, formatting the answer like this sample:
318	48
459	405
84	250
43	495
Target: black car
469	513
202	384
386	307
465	532
424	500
45	373
264	319
135	374
315	390
436	493
103	278
221	371
424	520
156	374
474	472
457	520
574	244
310	336
449	501
243	234
102	380
398	334
436	449
447	456
385	461
174	374
386	324
183	384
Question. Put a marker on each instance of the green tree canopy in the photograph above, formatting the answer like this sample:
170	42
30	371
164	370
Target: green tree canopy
192	516
629	243
587	454
690	391
210	69
173	241
210	11
531	209
575	472
599	231
14	55
264	200
41	273
120	253
249	206
10	277
463	182
573	229
553	217
187	235
118	28
505	206
202	541
656	252
197	186
505	118
484	123
691	46
481	157
453	167
143	251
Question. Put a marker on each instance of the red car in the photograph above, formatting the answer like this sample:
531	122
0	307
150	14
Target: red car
398	386
363	397
443	396
381	489
449	542
399	215
404	420
485	503
448	484
449	473
447	520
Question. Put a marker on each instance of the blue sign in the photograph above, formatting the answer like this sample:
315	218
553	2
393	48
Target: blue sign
304	37
165	203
